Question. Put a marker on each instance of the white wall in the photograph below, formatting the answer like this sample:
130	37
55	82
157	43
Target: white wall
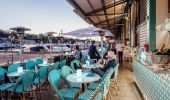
161	15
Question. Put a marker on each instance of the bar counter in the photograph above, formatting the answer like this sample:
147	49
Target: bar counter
154	85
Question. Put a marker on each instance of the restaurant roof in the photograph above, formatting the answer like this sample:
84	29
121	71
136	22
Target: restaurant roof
106	14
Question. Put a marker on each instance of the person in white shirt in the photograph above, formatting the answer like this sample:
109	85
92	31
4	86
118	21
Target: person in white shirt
126	54
119	48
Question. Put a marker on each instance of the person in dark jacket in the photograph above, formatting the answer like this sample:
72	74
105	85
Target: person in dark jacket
111	62
93	53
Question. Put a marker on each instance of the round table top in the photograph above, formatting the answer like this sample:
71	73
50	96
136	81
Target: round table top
16	74
97	65
42	65
83	78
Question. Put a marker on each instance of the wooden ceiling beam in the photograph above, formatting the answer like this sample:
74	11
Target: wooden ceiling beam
106	7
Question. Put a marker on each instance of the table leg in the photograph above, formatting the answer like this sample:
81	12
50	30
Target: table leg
83	87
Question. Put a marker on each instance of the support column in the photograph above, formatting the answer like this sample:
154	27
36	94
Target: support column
152	24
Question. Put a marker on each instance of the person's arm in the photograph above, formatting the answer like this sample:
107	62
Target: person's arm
89	51
79	54
109	64
97	52
106	66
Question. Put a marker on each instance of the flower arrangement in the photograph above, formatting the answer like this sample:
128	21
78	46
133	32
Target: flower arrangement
165	27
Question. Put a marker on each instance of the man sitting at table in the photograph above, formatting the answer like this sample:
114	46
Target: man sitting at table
111	62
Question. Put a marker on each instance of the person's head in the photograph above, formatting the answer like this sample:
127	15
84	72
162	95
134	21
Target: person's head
93	42
111	55
76	47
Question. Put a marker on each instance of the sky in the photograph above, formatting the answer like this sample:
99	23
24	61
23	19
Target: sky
40	16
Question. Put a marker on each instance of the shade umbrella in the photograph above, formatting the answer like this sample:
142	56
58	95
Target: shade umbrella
88	32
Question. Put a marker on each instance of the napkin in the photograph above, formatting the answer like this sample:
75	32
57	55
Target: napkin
90	74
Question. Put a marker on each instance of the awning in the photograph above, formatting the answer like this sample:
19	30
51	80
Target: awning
105	14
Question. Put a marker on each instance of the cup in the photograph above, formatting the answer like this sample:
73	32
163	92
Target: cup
20	70
87	63
79	72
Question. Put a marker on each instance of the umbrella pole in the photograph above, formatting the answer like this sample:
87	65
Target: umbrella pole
90	39
102	46
20	53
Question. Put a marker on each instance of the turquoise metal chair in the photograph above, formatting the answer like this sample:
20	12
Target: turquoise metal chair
84	57
93	85
54	78
55	66
39	61
65	71
30	65
62	63
23	84
96	94
113	83
3	85
41	76
13	68
75	64
105	81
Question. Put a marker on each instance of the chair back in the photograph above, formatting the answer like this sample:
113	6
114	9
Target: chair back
65	71
27	80
55	66
42	73
84	57
116	71
106	81
30	65
98	90
54	78
62	63
39	61
3	72
75	65
104	76
13	68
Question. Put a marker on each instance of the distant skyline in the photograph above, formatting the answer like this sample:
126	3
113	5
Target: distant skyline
39	15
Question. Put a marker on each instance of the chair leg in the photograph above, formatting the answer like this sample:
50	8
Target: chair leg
40	92
23	97
115	88
117	85
110	97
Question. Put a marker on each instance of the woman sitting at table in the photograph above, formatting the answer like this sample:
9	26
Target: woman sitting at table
77	53
111	62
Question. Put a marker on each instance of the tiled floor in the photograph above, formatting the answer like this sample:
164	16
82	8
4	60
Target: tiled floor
127	89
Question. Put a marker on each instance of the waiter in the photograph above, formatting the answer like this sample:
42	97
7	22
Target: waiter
93	53
119	48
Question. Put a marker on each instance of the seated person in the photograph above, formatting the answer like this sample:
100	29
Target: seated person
111	62
77	53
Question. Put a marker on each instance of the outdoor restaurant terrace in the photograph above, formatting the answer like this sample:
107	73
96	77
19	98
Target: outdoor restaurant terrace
123	54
